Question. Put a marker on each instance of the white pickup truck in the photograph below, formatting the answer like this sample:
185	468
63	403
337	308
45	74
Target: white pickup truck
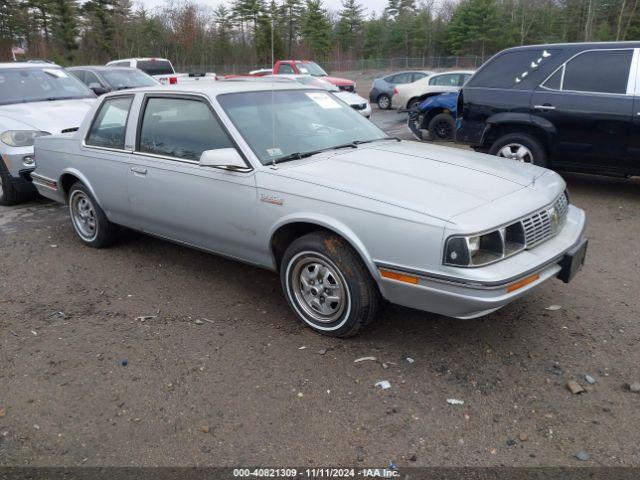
162	70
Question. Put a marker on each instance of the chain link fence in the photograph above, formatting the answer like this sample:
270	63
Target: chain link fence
358	65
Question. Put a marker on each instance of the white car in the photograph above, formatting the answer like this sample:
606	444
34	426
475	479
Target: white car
410	95
358	103
162	70
36	99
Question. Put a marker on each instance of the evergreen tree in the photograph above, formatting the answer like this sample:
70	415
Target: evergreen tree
316	29
291	13
65	28
475	28
350	23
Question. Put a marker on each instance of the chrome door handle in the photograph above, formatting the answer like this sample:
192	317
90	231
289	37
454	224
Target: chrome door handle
139	171
544	107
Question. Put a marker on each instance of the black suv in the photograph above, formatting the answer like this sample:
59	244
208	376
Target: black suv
567	106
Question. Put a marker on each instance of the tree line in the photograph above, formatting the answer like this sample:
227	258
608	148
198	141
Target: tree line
248	32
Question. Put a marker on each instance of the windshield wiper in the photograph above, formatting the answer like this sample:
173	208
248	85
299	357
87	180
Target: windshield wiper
360	142
301	155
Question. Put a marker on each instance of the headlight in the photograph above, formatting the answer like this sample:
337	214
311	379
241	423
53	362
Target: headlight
478	250
21	138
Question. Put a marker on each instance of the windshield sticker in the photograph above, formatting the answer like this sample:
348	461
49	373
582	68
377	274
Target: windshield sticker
274	152
324	100
55	72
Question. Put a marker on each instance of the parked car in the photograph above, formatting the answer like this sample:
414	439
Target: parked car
35	99
569	106
405	97
353	99
437	114
162	70
297	182
382	88
306	67
103	80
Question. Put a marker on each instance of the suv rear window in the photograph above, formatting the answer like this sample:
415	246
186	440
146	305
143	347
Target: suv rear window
156	67
603	71
510	68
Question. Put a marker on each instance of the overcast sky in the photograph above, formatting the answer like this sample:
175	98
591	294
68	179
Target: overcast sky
334	5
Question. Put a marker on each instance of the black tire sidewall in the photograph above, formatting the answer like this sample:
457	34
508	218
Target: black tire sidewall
105	228
437	119
347	262
10	195
384	95
534	146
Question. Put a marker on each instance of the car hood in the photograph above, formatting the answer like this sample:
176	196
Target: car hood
350	98
337	81
437	181
52	117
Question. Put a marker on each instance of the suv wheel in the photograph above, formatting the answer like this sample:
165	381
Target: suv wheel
384	102
442	127
520	147
414	102
9	195
88	219
327	285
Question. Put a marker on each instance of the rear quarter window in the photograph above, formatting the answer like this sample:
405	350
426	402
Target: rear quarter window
512	68
156	67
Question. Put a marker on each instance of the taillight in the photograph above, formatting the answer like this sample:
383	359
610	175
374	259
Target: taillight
173	80
395	91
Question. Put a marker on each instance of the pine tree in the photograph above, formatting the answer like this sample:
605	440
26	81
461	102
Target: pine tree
291	13
316	29
475	28
350	22
64	27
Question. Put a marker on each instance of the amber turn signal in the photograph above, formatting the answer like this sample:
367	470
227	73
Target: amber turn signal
399	276
521	283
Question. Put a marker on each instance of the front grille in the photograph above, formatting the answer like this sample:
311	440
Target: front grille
346	88
544	224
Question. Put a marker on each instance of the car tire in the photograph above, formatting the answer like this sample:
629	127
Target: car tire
88	219
414	102
442	127
521	147
9	194
384	102
348	299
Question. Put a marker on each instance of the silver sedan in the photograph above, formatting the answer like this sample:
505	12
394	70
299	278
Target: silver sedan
288	178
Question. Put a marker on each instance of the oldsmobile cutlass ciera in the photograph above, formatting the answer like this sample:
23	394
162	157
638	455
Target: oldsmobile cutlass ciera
294	180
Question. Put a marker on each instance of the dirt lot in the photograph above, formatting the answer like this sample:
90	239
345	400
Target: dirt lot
84	382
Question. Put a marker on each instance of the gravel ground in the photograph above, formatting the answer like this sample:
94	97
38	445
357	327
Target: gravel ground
85	382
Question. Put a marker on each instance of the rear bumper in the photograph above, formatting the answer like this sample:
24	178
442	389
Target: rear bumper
467	298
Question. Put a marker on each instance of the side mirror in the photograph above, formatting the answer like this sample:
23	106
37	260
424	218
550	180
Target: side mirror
227	158
98	89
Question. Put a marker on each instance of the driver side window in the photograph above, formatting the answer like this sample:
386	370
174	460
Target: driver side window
286	69
180	128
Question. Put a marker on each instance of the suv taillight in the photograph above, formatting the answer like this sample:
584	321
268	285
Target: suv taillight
173	80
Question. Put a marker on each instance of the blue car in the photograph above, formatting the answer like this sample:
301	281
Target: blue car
436	114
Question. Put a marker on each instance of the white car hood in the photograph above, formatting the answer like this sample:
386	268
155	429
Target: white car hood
436	181
52	117
350	98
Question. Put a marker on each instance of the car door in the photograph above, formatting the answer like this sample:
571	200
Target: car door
172	196
588	103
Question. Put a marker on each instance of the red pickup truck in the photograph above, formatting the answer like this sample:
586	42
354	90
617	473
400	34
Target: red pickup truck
306	67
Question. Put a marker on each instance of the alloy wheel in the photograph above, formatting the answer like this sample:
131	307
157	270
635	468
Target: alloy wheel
383	102
83	215
516	151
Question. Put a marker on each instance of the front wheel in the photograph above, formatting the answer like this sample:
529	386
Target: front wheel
88	219
327	285
413	103
9	194
442	127
520	147
384	102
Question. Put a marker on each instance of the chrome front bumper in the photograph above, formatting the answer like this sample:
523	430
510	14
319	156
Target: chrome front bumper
494	286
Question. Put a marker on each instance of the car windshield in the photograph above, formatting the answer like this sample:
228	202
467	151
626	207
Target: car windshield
119	79
156	67
293	123
317	82
311	68
21	85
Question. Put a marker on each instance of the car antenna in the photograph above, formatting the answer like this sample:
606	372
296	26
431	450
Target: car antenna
273	111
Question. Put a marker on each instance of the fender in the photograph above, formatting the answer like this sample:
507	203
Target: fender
518	118
330	224
80	176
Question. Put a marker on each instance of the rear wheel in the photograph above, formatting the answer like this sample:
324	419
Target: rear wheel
442	127
88	219
414	102
384	102
521	147
327	285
